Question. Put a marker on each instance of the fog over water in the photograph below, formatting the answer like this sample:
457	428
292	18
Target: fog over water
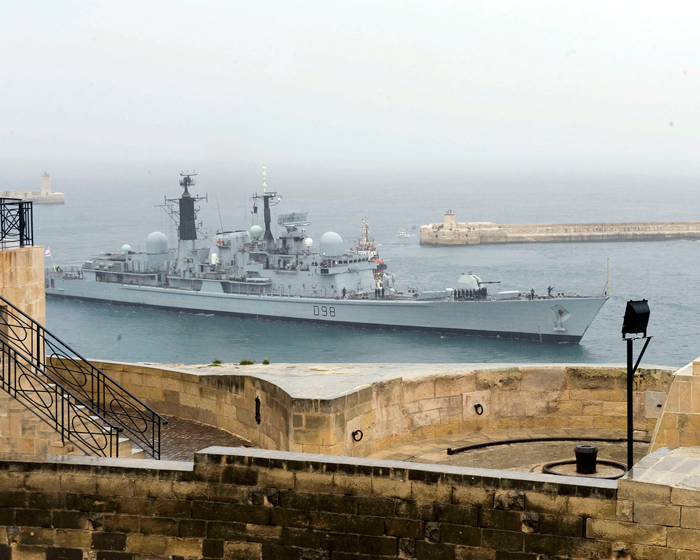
501	111
573	87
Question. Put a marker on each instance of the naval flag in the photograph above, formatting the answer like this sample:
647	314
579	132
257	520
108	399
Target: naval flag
47	253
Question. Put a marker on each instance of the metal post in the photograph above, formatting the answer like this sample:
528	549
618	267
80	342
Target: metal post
630	406
22	225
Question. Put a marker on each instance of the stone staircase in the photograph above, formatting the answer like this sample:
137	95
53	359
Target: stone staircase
53	401
23	432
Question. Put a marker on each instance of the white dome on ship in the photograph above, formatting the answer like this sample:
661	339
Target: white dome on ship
308	242
255	232
126	248
331	244
156	243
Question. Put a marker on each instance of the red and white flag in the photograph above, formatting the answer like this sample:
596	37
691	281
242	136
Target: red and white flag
47	252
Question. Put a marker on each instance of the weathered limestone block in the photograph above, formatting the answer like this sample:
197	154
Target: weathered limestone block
537	380
448	386
609	530
504	379
595	378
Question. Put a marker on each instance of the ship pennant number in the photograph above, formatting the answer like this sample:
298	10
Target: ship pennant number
324	311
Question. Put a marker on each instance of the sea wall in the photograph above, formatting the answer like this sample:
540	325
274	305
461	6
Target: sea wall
476	233
266	505
399	410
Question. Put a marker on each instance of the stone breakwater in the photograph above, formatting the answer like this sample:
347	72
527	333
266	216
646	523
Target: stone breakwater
477	233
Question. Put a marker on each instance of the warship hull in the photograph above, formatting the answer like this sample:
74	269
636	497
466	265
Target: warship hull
518	319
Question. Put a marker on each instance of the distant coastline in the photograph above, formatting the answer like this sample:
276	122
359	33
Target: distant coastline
451	232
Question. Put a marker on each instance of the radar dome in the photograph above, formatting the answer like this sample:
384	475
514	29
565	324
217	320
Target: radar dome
255	232
331	244
126	248
156	243
308	242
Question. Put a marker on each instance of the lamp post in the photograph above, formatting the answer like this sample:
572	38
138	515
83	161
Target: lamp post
635	323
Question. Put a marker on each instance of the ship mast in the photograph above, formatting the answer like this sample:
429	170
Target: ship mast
269	199
188	226
186	214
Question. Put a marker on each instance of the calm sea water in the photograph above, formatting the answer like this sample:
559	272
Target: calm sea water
104	216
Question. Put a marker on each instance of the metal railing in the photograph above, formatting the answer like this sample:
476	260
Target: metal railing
16	223
82	379
52	403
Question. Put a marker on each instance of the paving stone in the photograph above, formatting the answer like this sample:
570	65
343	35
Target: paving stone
180	438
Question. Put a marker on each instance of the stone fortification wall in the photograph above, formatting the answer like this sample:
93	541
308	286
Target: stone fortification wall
400	410
679	425
475	233
22	280
251	504
225	401
515	398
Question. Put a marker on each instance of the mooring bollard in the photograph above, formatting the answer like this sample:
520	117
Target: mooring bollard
586	455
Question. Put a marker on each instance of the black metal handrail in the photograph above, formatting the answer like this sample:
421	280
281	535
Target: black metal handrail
52	403
110	400
16	223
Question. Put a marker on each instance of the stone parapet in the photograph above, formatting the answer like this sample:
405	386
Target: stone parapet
225	401
399	410
256	504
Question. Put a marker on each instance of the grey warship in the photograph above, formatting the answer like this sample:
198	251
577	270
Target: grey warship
250	273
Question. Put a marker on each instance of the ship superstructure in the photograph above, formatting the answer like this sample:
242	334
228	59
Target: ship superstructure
250	273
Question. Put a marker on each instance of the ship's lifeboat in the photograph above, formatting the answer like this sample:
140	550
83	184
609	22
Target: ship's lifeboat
380	264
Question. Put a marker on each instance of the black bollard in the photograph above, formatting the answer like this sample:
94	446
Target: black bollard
586	455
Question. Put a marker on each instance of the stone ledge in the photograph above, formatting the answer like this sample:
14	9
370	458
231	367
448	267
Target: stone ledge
309	462
68	463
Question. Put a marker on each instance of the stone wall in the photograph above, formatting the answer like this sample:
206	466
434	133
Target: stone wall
22	284
254	504
22	280
514	398
22	432
225	401
400	410
680	421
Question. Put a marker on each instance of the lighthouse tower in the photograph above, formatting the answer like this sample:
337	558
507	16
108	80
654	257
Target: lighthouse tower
450	220
45	184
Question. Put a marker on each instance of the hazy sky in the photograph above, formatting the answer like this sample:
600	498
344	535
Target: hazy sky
466	86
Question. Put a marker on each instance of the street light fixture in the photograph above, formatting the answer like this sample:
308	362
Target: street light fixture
634	324
636	318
